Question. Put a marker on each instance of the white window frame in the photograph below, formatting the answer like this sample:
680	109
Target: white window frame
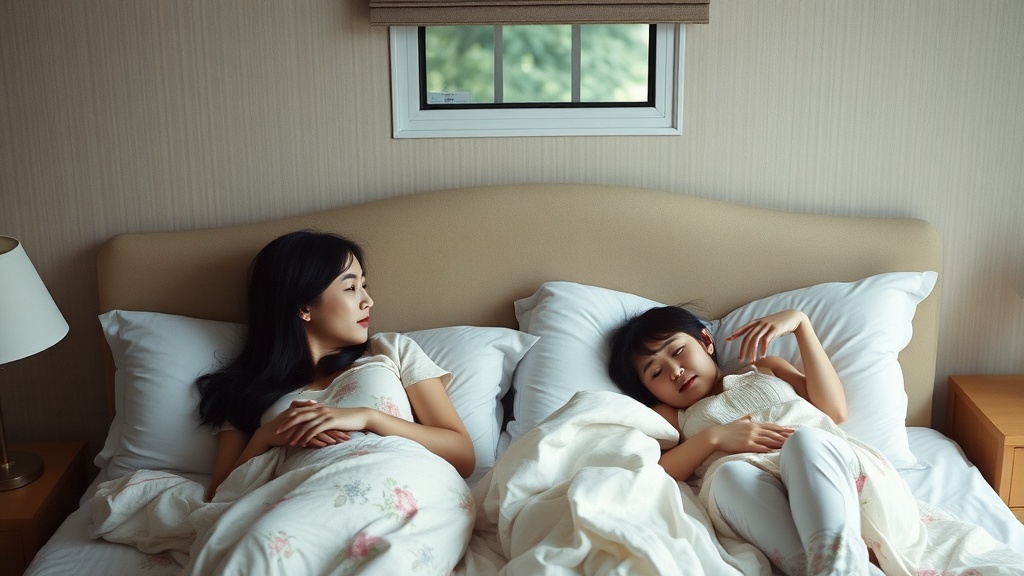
664	118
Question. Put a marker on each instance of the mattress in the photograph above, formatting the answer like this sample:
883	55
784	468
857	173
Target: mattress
943	478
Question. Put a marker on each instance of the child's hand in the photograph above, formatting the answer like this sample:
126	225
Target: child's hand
757	334
745	435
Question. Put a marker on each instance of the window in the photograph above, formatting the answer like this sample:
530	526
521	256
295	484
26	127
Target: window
536	80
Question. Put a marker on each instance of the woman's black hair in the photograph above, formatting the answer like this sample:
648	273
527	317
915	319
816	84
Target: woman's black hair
634	338
289	273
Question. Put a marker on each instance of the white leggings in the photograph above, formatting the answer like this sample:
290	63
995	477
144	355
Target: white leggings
809	522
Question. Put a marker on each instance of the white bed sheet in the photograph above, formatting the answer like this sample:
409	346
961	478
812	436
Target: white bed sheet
945	478
72	551
948	480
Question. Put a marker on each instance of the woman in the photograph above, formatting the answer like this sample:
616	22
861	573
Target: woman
311	380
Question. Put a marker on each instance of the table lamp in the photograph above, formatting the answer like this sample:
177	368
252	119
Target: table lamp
29	323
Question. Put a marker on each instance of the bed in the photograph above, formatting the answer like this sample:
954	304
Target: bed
513	288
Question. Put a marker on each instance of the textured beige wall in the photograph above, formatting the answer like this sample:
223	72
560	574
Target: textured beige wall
119	115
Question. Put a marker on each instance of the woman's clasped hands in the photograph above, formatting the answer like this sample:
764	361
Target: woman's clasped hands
310	424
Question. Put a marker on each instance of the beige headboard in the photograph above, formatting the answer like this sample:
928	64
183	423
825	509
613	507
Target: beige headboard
463	256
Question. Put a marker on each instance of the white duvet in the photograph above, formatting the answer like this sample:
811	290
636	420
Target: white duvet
583	494
580	494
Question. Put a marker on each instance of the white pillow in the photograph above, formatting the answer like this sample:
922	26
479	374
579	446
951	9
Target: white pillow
159	356
863	326
573	322
482	361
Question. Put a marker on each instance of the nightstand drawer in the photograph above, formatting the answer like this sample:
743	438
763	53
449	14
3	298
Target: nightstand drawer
12	552
30	514
1017	479
985	416
973	436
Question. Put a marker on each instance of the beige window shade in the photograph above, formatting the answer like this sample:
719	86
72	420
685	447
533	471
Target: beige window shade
464	12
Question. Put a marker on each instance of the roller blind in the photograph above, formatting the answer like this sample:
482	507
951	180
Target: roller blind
467	12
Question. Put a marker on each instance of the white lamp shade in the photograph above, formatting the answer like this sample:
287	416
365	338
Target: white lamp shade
29	319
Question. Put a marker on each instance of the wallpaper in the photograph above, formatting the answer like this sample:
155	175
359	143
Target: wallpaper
119	116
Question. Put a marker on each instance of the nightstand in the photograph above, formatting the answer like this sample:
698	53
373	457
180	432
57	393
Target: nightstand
31	514
986	418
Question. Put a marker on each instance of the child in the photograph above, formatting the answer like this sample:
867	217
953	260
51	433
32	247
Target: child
772	466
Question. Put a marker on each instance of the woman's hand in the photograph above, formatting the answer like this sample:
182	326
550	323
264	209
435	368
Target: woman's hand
745	435
269	433
757	334
310	424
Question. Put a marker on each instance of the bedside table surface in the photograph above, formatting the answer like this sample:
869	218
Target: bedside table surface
1000	398
24	504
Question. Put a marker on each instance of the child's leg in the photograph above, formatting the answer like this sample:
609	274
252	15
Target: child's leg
755	505
818	470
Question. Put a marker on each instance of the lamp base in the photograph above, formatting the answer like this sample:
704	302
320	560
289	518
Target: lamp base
21	468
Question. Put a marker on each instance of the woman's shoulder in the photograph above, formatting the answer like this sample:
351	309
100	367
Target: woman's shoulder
402	354
382	342
397	346
392	337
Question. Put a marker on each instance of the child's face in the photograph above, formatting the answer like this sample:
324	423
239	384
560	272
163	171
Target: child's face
681	371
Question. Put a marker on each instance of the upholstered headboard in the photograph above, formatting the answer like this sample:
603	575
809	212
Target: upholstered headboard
463	256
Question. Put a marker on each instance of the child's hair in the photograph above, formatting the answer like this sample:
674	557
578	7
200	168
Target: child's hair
290	272
634	338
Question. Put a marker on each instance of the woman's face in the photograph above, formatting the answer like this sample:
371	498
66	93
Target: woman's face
681	371
341	316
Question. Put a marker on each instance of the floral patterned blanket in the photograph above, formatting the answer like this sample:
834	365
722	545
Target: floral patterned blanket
370	505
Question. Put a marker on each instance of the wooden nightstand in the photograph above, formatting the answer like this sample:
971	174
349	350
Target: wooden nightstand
986	418
29	515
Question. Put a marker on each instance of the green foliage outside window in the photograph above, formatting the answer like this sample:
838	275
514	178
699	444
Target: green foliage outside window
536	62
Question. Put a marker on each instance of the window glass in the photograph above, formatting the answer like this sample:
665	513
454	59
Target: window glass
537	63
460	59
516	65
614	63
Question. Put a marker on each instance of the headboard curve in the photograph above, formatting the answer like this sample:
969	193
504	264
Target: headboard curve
463	256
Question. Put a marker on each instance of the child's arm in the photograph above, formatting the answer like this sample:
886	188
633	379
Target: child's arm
819	383
743	435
